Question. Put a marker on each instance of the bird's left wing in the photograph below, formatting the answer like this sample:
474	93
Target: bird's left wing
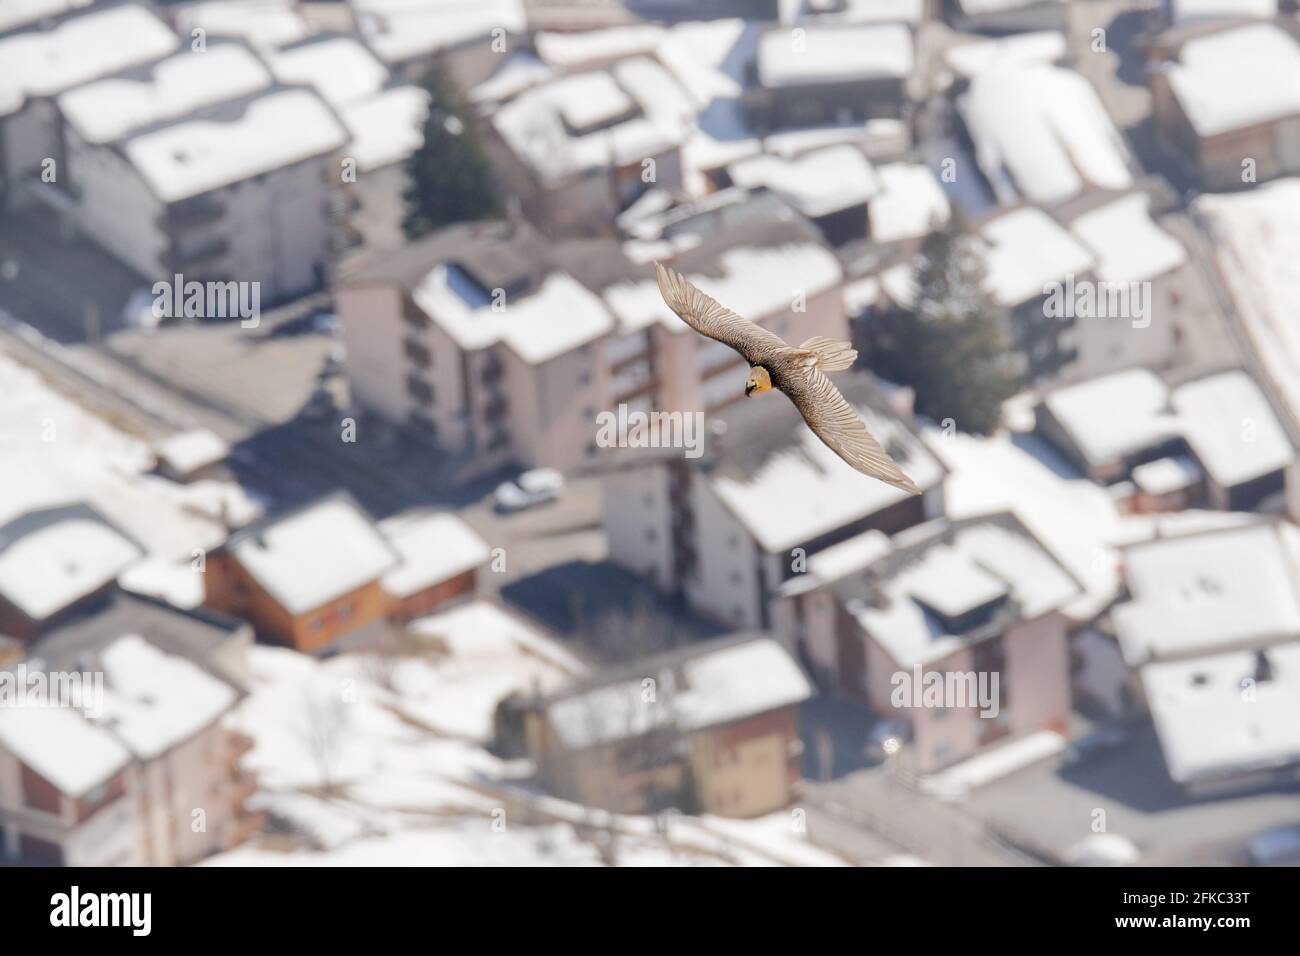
703	313
837	423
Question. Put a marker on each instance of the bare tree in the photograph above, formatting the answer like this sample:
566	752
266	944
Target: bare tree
324	724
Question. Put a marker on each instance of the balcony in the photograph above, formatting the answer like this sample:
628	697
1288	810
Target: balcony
200	258
631	380
190	214
492	370
417	352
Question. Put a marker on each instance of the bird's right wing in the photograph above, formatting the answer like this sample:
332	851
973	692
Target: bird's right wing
703	313
837	423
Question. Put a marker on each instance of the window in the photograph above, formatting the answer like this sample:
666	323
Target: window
419	389
417	352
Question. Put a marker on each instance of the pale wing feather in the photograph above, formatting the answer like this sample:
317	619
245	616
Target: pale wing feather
703	313
837	423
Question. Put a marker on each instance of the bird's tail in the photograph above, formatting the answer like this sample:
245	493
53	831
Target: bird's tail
831	356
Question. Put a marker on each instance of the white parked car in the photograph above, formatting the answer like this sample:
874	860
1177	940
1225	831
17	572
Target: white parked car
531	488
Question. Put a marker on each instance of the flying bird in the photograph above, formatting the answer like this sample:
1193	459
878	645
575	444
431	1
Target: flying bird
799	372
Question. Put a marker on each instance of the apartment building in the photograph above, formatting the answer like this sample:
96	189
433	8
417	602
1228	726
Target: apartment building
501	346
980	596
236	191
141	772
383	118
709	728
578	149
825	74
1230	101
725	530
44	58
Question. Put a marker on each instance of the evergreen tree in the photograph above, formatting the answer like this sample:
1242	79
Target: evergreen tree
953	349
450	176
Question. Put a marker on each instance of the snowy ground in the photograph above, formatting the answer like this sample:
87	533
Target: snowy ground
53	451
410	783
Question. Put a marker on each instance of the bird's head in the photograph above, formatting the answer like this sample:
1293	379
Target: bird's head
759	381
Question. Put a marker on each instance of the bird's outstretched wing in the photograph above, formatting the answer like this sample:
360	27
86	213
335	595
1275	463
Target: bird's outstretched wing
703	313
837	423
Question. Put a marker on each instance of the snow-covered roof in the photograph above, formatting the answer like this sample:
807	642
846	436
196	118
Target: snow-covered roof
154	700
151	701
179	583
860	295
189	451
1215	716
1184	12
708	57
520	71
1224	417
79	49
1204	593
401	30
878	11
805	490
977	564
339	68
596	119
273	131
1237	78
568	51
432	548
387	127
265	24
816	184
1231	428
57	563
712	684
977	7
1166	475
314	555
1256	238
561	315
1129	246
834	54
113	108
1020	49
1115	415
754	281
1041	133
910	204
72	753
20	13
1028	251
